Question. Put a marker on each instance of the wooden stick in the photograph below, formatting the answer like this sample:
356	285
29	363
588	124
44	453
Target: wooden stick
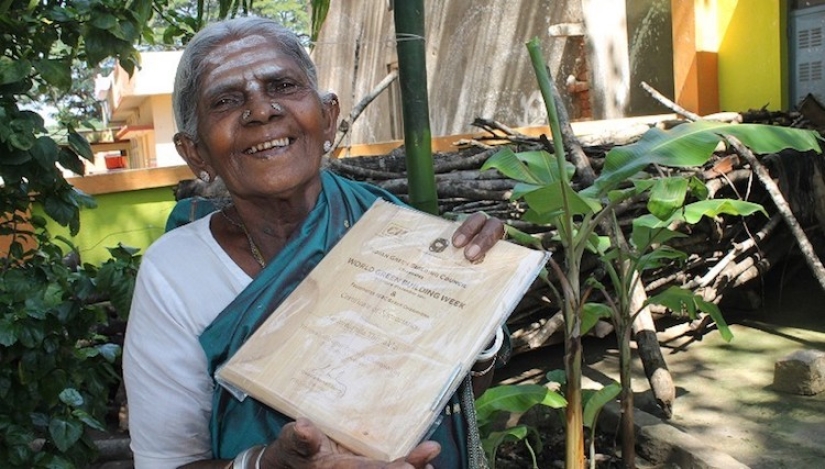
644	331
670	104
346	124
738	248
782	206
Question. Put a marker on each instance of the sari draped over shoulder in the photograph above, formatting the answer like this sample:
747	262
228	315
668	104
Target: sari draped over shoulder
237	425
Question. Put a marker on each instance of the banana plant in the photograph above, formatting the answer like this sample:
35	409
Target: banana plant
544	184
512	399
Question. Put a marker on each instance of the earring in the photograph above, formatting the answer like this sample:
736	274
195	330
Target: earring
204	176
327	146
246	114
276	106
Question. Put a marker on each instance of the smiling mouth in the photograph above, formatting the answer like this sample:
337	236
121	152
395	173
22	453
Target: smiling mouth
275	143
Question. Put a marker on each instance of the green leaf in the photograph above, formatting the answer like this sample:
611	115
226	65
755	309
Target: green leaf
659	257
44	151
591	313
99	45
494	440
126	253
715	207
31	334
71	397
9	330
666	196
598	244
65	433
90	421
109	351
691	145
57	73
69	160
515	398
710	208
508	164
59	210
102	20
557	376
80	145
596	401
13	70
545	165
126	31
680	300
548	199
698	188
648	231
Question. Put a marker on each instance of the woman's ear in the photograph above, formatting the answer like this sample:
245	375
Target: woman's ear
332	110
188	150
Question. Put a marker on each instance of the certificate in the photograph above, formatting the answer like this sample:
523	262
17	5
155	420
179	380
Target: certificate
375	340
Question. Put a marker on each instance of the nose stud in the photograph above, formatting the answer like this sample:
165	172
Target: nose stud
246	114
277	106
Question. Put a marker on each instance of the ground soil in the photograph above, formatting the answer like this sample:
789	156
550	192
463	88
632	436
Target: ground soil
725	394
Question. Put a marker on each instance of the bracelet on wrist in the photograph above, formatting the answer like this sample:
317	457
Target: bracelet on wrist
492	351
244	459
260	457
476	374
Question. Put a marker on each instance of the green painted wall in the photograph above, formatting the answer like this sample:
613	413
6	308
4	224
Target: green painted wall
752	55
135	219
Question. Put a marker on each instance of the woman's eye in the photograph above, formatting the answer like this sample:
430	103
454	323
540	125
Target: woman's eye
224	103
284	87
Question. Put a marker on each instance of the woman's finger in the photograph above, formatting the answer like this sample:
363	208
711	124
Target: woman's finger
477	235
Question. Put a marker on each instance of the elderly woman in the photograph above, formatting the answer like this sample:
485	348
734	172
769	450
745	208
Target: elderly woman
249	112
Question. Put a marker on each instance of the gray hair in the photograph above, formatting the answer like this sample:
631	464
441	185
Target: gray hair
191	66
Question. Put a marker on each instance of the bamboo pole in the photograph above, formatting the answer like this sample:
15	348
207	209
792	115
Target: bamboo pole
412	76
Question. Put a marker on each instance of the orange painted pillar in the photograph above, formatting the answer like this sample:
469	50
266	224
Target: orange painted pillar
695	69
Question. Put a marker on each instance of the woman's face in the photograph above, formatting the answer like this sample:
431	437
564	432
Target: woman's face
261	126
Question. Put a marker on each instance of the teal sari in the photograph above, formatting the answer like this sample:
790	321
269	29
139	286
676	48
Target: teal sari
236	425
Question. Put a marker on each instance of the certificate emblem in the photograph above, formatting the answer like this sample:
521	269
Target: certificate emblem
439	245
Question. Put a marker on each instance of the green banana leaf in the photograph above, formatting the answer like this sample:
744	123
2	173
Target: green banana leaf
693	212
649	230
666	196
548	199
591	313
680	300
518	398
691	145
536	168
492	442
594	402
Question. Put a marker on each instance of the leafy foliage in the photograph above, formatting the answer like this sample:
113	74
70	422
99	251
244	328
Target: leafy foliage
508	399
56	368
177	21
41	41
545	186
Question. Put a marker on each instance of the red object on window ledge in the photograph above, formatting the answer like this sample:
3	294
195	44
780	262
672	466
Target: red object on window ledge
115	162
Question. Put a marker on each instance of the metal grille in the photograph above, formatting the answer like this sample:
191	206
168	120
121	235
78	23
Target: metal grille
808	53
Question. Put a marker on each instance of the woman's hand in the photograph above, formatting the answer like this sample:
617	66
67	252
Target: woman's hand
302	445
478	233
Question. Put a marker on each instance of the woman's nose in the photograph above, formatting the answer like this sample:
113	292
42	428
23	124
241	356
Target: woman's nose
262	110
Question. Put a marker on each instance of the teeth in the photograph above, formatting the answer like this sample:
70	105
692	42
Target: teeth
278	142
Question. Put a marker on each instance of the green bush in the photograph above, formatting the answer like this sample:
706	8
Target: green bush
57	370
